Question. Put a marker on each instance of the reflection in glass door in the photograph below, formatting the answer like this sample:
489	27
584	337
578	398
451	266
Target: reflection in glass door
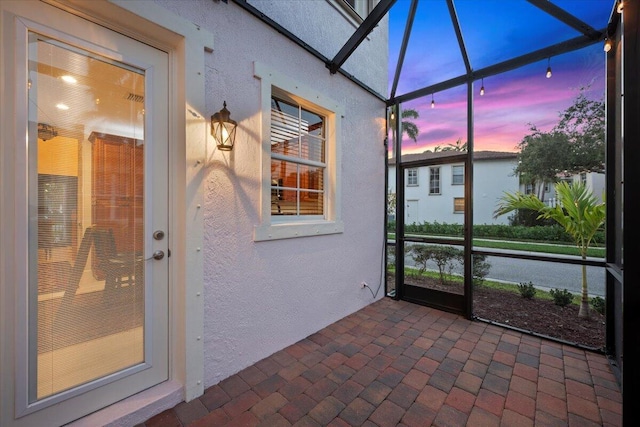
86	217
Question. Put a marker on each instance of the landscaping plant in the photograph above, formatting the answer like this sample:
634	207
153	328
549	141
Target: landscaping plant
561	297
598	304
578	211
527	291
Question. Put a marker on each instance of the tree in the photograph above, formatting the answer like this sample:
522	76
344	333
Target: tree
542	157
579	212
575	144
408	127
584	125
458	146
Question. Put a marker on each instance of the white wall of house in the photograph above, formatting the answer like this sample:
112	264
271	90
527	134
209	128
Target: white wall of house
235	300
491	179
263	296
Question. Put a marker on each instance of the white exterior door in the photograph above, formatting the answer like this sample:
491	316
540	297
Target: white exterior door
411	212
84	216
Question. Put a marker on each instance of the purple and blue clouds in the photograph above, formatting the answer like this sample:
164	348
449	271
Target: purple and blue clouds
514	100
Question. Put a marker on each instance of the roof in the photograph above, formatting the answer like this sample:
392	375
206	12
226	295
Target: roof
439	155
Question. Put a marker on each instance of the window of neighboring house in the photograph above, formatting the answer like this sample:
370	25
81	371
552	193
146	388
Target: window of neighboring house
568	180
300	164
547	187
458	205
583	178
457	175
528	189
412	177
434	180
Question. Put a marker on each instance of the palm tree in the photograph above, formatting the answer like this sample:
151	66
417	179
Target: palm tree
578	211
408	127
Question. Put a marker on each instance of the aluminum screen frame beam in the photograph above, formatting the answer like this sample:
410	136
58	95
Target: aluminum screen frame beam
508	65
359	35
403	47
567	18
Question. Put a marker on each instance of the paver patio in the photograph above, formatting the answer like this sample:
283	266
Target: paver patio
395	363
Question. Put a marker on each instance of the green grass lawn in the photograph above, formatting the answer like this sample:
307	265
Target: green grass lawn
529	247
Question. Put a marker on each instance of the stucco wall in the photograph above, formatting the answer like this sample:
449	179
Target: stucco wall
262	296
324	25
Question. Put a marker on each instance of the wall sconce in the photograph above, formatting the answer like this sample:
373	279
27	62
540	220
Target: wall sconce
223	129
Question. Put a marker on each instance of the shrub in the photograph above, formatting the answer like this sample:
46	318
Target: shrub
444	257
598	304
527	291
561	297
481	268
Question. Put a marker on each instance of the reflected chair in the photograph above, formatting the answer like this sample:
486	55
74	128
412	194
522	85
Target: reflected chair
118	268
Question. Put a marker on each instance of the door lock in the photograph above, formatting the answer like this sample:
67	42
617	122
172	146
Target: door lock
158	234
158	255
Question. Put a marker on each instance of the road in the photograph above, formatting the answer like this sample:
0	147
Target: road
543	275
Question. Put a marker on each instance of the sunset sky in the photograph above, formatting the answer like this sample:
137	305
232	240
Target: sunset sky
492	34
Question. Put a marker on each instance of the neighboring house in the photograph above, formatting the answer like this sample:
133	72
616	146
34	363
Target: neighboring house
595	181
139	263
436	192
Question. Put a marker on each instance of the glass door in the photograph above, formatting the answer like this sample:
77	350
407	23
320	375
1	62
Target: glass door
91	216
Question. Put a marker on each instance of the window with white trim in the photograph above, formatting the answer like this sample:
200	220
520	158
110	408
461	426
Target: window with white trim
458	205
434	180
300	191
297	159
412	177
457	175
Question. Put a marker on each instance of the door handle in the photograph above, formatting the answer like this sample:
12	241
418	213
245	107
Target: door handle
158	255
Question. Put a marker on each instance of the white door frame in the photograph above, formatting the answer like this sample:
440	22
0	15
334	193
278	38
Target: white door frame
187	46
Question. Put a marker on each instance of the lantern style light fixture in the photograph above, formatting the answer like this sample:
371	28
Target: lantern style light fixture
46	132
223	129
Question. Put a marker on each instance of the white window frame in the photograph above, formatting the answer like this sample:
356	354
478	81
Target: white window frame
286	227
358	11
454	174
412	177
431	171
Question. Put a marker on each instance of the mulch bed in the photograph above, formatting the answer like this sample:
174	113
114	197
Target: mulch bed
535	315
539	316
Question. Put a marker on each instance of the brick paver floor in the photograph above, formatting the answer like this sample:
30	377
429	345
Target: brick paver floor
394	363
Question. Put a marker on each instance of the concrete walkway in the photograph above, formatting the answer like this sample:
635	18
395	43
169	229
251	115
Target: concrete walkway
394	363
